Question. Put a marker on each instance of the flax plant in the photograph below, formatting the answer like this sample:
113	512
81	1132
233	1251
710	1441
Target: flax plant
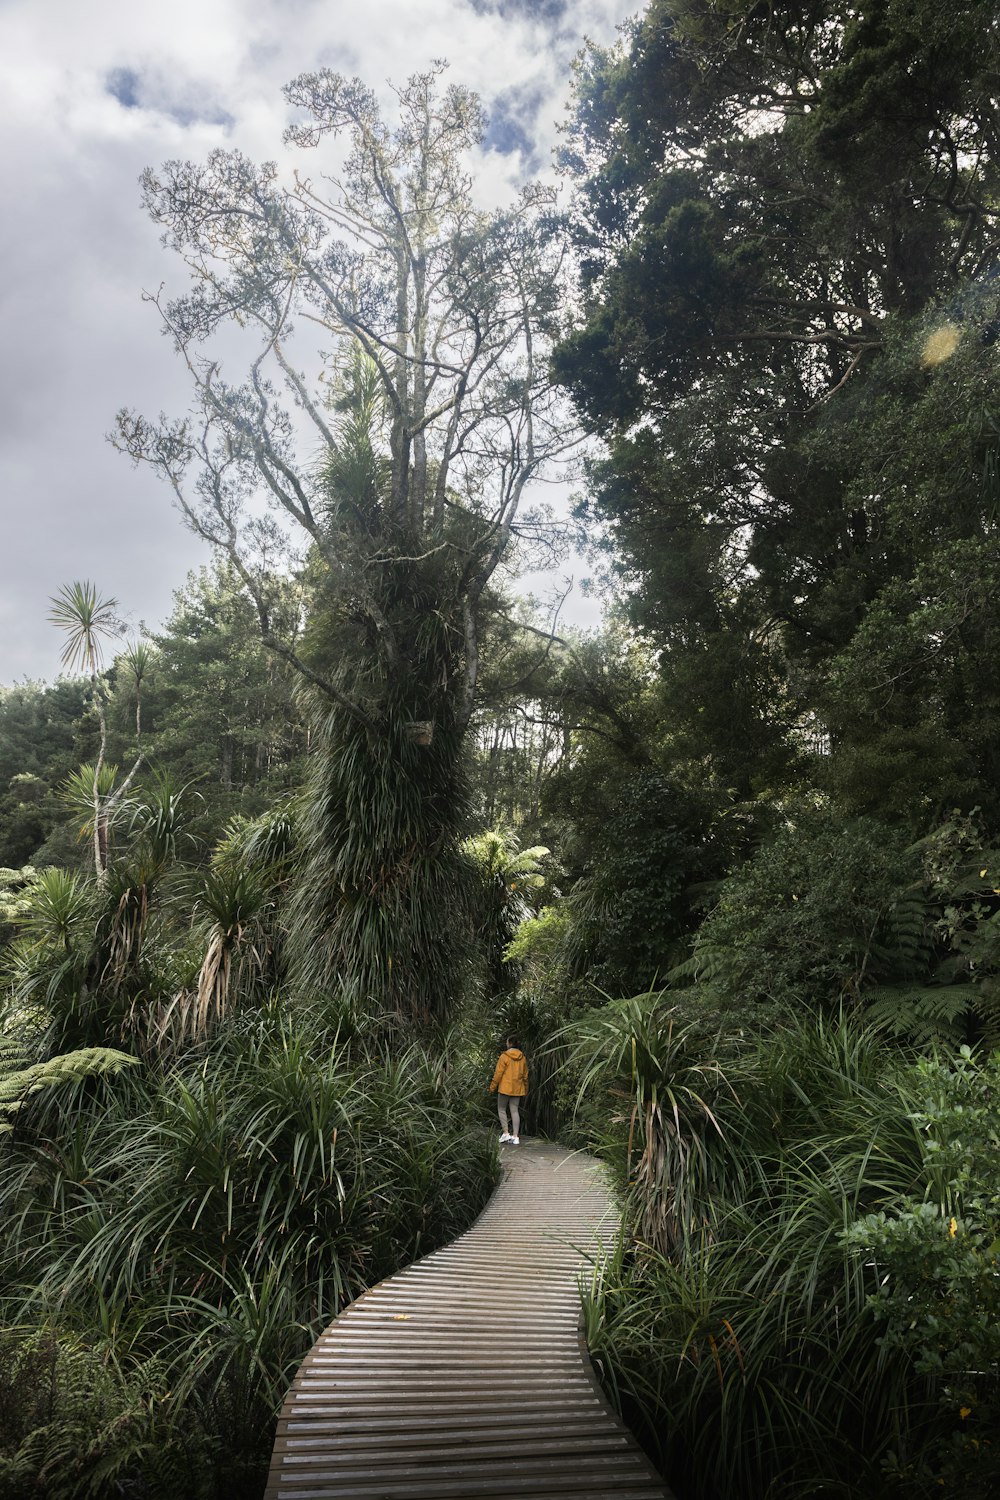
216	1214
659	1077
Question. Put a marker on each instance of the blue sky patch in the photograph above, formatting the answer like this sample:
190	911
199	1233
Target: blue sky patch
123	84
134	91
511	122
550	11
505	133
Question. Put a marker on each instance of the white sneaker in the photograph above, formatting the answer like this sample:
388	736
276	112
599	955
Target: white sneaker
515	1140
505	1137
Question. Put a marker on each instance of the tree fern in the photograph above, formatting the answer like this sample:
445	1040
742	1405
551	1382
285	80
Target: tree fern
922	1014
707	961
21	1030
67	1067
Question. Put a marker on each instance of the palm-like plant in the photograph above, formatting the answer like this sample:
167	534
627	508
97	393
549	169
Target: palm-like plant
88	792
233	902
48	963
87	620
670	1092
60	912
268	843
160	818
505	874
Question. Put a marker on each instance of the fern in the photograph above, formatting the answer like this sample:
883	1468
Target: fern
21	1032
76	1423
66	1067
12	1058
706	962
922	1014
903	945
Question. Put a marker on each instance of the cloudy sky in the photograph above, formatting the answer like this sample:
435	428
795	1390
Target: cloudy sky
91	92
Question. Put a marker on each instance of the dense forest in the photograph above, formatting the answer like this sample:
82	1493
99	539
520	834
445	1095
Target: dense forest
277	878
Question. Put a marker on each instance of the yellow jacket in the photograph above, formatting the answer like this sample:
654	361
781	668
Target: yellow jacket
511	1076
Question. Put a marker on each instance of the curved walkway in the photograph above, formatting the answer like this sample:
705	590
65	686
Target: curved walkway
466	1375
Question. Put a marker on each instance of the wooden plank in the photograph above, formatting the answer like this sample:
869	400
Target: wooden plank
466	1374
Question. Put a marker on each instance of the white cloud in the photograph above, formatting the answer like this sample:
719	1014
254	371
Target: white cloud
76	250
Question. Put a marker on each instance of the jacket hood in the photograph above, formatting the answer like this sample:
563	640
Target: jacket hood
514	1052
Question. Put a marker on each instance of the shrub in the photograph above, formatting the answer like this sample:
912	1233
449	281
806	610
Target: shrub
821	1318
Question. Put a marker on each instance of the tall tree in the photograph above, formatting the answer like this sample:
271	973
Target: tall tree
219	708
432	410
44	735
787	227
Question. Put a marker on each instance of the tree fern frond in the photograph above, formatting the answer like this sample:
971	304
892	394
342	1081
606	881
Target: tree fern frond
705	962
21	1029
66	1067
922	1014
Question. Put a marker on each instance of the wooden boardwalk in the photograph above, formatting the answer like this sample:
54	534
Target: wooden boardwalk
466	1375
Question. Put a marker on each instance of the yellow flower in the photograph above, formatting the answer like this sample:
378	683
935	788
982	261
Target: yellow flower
966	1411
953	1227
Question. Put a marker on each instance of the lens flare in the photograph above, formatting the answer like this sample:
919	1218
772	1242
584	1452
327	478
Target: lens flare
940	345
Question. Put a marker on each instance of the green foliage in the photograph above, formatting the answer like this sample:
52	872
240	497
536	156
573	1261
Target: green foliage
16	896
539	945
268	842
518	745
43	735
380	909
934	1274
66	1067
506	874
638	848
786	1344
74	1424
160	817
801	481
653	1066
825	908
921	1014
59	913
194	1228
233	903
22	1031
219	707
94	954
78	791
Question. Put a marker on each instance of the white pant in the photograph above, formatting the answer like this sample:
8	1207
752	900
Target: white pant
513	1103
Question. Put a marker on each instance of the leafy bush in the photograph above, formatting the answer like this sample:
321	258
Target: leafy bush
824	909
640	845
805	1303
74	1424
934	1264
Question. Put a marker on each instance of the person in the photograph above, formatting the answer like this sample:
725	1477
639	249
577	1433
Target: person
510	1084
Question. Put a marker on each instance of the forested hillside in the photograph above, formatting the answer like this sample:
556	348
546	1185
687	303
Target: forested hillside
279	876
